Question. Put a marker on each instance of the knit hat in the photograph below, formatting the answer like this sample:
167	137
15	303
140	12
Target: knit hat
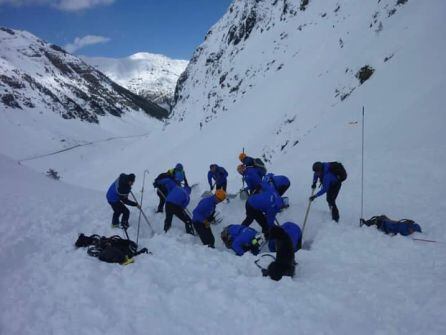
317	167
131	177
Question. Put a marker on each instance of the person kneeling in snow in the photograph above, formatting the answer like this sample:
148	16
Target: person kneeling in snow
176	203
117	196
284	265
241	239
203	215
294	233
263	208
220	175
331	176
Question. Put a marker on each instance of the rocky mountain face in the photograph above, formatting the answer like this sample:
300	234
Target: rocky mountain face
41	77
151	76
300	55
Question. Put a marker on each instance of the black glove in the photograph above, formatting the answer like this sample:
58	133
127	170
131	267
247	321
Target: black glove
313	186
312	198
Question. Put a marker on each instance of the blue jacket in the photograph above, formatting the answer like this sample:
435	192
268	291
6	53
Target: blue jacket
392	227
167	183
204	209
253	178
241	236
293	231
327	179
219	176
119	190
269	203
179	196
273	183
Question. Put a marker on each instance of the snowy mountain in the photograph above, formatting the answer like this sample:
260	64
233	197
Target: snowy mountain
286	81
149	75
40	81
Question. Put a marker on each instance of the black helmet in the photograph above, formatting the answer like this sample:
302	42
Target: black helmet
317	167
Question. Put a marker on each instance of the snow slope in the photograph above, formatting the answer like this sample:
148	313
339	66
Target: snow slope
149	75
352	280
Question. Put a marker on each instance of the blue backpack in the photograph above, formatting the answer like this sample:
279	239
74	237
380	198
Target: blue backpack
404	227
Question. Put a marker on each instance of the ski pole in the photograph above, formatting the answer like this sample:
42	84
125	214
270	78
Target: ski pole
143	214
142	195
362	171
306	213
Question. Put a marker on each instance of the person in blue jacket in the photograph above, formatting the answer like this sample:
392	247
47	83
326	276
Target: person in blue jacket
252	177
176	202
220	175
203	215
279	183
179	175
263	208
117	197
163	184
253	162
241	239
331	176
295	234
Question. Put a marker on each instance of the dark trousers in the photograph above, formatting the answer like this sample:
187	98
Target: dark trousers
205	233
171	210
118	209
332	194
221	186
255	214
161	191
282	189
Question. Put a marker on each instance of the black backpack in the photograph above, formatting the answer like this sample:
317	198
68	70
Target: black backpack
338	169
258	163
162	176
112	249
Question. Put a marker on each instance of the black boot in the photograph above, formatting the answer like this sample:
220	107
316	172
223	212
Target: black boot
335	213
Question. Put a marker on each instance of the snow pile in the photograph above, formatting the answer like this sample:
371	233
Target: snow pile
149	75
352	280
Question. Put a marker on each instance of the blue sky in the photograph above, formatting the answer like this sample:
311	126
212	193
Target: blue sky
116	28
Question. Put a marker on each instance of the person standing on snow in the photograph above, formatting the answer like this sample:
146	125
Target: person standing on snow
331	176
253	162
252	177
241	239
263	208
220	175
179	175
163	184
203	215
176	202
117	197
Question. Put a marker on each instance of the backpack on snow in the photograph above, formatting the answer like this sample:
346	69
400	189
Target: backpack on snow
109	249
338	170
404	227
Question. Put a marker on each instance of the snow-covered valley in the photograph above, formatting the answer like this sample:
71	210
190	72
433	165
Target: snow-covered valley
352	280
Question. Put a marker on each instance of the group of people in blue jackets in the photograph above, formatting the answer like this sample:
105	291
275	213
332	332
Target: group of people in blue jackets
265	200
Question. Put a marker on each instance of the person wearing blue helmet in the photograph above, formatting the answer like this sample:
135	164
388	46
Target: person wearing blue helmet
176	202
179	174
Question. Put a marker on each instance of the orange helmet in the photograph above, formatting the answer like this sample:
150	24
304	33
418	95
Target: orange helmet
220	194
242	156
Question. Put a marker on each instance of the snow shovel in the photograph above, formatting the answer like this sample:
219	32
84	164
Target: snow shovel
306	213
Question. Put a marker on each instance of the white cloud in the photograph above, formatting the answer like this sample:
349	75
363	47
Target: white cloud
81	42
66	5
